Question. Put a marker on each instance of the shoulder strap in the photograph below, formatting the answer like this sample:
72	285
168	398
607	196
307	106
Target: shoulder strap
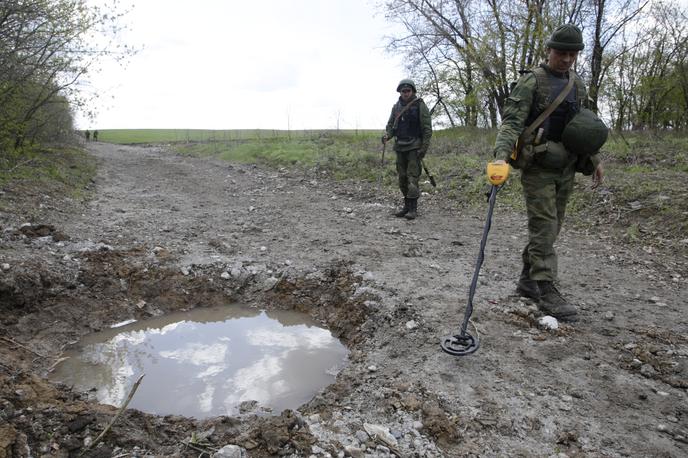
548	111
408	105
581	93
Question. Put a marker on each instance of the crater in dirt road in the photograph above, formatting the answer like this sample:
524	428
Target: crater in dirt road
48	310
207	362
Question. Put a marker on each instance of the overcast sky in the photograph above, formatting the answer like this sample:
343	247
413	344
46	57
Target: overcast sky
270	64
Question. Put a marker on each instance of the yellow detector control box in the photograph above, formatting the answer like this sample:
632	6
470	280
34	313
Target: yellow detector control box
497	173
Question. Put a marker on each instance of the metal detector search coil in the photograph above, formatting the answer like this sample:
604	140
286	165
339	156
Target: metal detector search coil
463	344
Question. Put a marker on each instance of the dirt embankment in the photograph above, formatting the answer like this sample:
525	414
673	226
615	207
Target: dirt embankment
161	230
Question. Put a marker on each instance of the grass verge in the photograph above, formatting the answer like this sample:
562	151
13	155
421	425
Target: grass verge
36	175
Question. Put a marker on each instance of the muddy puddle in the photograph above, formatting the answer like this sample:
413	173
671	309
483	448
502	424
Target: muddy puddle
207	362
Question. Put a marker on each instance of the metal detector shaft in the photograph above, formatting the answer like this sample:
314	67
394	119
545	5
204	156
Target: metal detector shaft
481	257
463	344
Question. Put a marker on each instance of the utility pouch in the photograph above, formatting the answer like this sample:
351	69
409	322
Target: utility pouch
523	159
522	155
553	156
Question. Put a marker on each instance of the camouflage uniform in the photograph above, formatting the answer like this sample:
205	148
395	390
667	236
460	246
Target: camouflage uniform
547	186
412	132
547	168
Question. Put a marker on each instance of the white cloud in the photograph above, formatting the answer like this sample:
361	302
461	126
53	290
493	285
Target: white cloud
264	64
114	393
205	399
290	338
259	382
198	354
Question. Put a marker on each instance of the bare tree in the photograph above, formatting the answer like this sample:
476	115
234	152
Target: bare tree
604	32
470	51
46	47
477	41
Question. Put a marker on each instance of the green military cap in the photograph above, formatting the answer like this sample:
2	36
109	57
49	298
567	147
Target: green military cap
566	37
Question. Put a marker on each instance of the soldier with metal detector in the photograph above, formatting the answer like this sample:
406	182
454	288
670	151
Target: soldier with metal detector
411	125
549	134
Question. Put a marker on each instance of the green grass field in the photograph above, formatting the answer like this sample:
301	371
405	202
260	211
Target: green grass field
134	136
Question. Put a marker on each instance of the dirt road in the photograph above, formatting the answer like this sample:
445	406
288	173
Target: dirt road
161	230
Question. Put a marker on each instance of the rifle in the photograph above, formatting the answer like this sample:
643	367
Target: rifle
432	178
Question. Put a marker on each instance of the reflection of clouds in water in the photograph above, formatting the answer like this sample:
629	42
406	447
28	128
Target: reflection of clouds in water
211	372
114	350
205	399
213	356
114	393
260	381
140	336
309	338
168	328
133	338
206	370
198	354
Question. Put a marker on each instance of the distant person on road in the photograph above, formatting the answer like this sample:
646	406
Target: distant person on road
87	134
411	126
95	135
547	160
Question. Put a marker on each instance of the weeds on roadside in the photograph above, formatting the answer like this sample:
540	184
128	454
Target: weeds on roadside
68	167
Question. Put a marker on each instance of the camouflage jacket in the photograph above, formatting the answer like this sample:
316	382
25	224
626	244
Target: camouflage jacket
417	122
526	101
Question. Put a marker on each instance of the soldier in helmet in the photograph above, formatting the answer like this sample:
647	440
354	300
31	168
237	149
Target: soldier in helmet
411	125
547	167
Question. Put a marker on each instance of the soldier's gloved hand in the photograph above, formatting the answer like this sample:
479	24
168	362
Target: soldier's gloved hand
421	153
384	139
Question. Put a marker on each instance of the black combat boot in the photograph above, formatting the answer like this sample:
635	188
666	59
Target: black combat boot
413	208
526	286
552	303
404	210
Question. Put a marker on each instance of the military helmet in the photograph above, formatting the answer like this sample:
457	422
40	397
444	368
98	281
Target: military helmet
406	82
566	37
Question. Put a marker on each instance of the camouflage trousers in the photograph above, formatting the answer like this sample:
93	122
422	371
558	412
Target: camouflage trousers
408	171
546	194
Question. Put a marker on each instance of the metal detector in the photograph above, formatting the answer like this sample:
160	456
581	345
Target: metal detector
463	344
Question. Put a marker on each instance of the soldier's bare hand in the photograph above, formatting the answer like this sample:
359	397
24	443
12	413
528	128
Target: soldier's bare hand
597	176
